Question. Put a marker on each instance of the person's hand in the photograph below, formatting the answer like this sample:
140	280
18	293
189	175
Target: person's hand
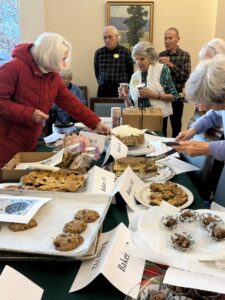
147	93
193	148
102	128
203	107
186	134
166	61
39	117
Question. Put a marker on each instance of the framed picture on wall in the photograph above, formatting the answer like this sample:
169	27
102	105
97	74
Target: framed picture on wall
134	20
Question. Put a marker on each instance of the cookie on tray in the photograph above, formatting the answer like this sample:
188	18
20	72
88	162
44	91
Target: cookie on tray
21	227
68	241
75	226
87	215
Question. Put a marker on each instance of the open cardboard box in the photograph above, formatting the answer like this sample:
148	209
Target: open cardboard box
10	173
148	118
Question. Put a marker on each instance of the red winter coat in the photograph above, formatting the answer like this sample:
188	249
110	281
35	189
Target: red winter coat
23	88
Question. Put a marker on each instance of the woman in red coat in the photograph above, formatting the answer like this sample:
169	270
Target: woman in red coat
29	85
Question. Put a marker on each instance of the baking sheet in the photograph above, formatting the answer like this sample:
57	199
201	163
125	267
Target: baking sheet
51	219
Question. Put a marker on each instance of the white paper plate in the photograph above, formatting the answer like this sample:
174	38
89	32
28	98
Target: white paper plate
143	194
157	237
144	149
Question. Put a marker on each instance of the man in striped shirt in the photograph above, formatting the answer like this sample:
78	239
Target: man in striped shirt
113	64
179	63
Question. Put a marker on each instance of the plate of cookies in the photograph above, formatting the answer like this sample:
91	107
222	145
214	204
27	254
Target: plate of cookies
152	194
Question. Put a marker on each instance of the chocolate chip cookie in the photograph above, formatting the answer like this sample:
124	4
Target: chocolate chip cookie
87	215
67	241
21	227
75	226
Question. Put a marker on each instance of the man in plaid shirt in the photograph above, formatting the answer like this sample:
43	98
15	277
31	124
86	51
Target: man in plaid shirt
113	64
179	63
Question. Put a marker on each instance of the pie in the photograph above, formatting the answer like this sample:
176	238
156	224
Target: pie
130	136
140	165
52	181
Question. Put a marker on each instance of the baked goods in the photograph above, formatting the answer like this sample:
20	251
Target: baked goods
87	215
75	226
188	215
52	181
156	295
167	191
21	227
169	221
181	241
67	241
140	165
130	136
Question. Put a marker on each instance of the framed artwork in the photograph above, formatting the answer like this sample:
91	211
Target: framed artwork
134	20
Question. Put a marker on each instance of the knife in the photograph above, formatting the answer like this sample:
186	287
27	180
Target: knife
163	155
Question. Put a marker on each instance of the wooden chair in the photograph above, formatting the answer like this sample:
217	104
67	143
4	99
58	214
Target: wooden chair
102	105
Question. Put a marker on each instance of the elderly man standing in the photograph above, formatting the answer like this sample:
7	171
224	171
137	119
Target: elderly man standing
179	63
112	63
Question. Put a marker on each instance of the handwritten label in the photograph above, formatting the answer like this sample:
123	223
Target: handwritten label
118	149
113	262
100	180
98	257
126	185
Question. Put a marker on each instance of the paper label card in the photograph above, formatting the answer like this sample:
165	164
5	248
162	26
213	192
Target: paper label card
100	180
55	136
19	209
96	140
126	185
121	269
116	149
107	121
15	286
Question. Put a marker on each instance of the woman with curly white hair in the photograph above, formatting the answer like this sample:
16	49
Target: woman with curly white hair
157	89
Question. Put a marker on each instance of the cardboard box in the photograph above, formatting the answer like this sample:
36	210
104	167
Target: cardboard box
148	118
10	173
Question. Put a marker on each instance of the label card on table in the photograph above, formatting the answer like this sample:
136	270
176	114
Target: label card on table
126	185
55	136
100	180
20	209
96	140
122	270
116	149
15	286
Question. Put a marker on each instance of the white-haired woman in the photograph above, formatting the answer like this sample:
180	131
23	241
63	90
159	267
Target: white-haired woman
159	90
206	85
59	115
29	85
208	51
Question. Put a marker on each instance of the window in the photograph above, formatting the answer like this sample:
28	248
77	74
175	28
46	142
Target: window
9	28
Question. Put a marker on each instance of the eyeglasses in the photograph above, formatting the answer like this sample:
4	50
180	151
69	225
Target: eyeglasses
108	37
